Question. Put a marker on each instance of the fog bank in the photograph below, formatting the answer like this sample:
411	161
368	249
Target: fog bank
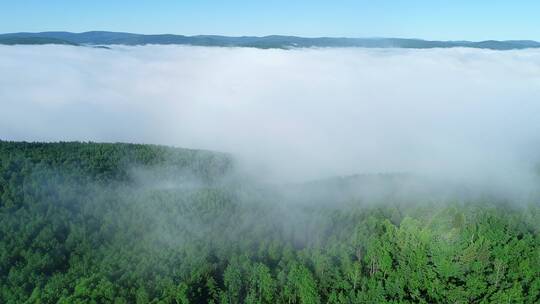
465	115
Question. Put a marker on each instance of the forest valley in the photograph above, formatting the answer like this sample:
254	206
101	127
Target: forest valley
127	223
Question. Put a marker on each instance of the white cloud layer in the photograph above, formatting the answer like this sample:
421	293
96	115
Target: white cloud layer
464	114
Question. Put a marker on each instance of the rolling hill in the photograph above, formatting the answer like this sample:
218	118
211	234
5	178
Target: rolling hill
126	223
274	41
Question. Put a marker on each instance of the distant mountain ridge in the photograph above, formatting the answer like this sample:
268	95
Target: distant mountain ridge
94	38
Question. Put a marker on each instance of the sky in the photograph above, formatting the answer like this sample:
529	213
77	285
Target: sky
426	19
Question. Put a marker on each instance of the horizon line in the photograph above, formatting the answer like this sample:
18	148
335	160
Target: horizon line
264	36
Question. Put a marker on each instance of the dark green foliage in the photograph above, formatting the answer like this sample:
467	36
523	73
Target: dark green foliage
119	223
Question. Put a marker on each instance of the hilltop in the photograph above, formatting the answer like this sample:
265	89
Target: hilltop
265	42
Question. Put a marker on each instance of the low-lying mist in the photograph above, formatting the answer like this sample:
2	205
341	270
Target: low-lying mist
462	117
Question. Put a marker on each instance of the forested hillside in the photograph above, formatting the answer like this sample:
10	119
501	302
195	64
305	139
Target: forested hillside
264	42
125	223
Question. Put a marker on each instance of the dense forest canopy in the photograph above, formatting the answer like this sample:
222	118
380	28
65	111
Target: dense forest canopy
126	223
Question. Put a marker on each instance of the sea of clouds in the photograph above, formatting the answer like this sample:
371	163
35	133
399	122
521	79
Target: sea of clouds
462	114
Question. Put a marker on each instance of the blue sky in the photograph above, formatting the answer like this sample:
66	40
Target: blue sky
428	19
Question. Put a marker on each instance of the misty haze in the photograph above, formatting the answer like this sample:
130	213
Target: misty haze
291	114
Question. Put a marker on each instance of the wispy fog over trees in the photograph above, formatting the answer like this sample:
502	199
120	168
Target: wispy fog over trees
123	223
